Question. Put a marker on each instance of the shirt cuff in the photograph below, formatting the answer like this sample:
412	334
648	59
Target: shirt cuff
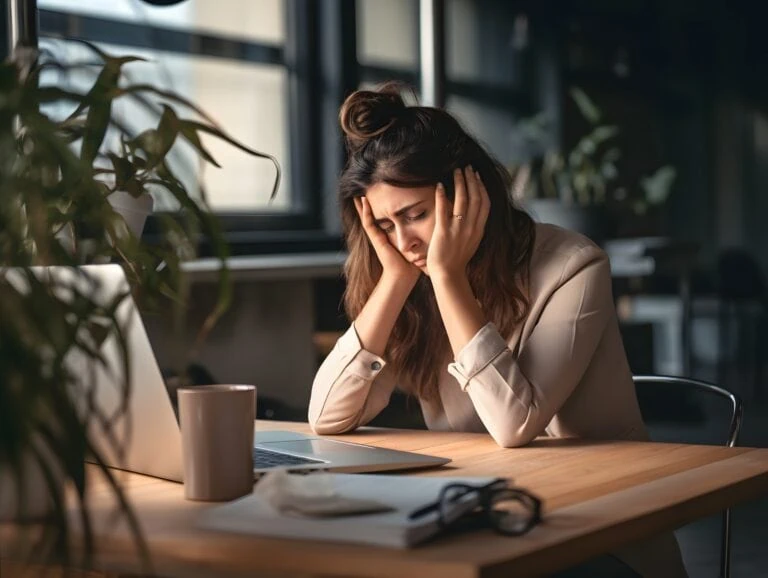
482	349
363	363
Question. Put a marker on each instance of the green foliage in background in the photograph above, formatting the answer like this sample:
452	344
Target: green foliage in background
55	177
588	174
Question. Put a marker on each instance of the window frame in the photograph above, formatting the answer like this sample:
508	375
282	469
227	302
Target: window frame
306	224
320	56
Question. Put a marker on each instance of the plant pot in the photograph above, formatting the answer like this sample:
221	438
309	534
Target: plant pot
134	210
591	221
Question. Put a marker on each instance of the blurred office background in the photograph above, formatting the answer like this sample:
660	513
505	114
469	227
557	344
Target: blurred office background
681	86
680	82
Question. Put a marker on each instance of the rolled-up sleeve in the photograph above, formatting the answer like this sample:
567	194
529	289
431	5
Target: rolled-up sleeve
351	387
484	347
516	396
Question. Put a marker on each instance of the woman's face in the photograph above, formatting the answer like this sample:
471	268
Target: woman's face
407	217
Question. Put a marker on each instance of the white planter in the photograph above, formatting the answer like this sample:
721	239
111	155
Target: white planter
134	210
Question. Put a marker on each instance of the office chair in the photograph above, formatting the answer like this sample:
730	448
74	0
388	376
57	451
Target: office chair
737	410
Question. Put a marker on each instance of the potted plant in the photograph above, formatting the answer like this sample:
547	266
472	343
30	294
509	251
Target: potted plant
574	188
58	178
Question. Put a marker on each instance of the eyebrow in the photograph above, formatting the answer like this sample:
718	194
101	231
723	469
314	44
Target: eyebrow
399	212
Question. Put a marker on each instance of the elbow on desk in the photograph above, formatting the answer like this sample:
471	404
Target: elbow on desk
321	426
513	439
325	419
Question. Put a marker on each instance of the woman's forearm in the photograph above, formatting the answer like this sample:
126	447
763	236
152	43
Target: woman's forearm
375	322
459	310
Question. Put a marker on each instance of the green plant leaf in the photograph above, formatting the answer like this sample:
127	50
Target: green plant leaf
99	114
586	107
52	186
124	170
137	89
189	132
658	185
604	132
609	171
191	126
157	143
612	155
575	158
217	133
99	102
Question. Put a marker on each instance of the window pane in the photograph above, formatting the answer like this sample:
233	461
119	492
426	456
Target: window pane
246	100
388	33
255	20
492	126
486	42
249	102
410	99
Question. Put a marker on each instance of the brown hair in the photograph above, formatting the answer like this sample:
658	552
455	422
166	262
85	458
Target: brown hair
411	146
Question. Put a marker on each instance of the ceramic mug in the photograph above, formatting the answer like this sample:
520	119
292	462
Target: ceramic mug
217	440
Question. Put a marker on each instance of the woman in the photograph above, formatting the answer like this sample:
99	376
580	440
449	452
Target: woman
494	323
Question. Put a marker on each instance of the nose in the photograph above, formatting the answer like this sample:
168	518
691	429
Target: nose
406	240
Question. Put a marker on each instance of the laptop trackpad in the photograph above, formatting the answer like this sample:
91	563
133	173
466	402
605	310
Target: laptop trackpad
310	447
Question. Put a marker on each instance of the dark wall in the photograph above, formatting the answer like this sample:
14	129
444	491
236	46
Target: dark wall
686	82
3	29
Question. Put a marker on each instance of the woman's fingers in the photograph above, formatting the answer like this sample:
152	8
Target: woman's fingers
460	197
366	217
360	206
473	195
366	211
484	202
442	207
368	222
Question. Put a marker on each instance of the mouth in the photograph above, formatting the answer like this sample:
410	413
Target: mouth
419	262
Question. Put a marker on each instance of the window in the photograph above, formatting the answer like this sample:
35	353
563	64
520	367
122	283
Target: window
388	41
489	84
243	182
489	81
274	72
255	20
231	57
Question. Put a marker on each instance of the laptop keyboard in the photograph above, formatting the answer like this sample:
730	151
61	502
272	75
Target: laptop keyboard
268	459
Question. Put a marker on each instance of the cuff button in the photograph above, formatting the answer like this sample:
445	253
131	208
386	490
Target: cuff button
375	366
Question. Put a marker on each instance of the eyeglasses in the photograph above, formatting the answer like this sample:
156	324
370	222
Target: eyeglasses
509	511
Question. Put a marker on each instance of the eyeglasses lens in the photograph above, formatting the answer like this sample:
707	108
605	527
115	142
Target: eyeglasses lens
512	512
450	497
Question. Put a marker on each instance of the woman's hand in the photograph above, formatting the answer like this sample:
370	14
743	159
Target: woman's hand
395	266
458	228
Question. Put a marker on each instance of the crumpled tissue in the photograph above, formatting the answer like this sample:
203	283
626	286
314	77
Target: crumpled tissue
312	495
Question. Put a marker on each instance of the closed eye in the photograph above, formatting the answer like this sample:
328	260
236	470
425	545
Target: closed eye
418	217
388	227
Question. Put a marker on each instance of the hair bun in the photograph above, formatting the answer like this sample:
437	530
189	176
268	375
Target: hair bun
366	114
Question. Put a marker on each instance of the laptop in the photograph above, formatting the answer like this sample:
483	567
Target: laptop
152	428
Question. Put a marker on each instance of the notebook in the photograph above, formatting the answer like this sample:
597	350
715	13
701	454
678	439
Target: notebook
253	514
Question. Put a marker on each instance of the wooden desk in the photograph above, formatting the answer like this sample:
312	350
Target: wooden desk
598	495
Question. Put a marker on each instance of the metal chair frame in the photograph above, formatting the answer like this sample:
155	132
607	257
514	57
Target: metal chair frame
737	413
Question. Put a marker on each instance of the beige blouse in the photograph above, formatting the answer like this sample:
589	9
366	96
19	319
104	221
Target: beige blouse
562	373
